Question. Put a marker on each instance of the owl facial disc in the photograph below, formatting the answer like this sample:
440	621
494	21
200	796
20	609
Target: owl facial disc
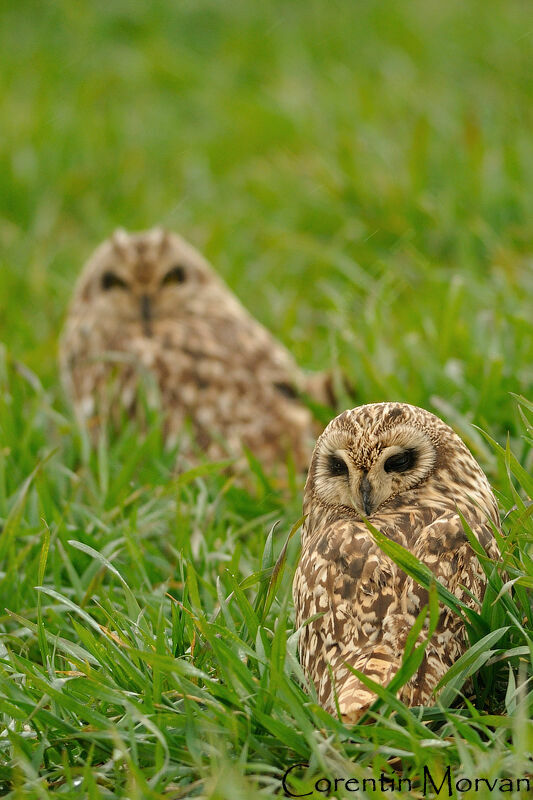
364	467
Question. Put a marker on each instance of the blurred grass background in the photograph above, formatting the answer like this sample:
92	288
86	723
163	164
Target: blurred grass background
360	173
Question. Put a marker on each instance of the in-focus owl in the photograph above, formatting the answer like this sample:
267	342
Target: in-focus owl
409	474
148	303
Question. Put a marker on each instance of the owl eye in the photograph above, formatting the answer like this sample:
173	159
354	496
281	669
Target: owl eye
286	390
400	462
337	466
175	275
111	281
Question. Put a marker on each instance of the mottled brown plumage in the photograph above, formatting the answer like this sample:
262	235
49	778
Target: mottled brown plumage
409	474
149	303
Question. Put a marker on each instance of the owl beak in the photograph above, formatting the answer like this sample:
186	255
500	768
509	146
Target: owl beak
366	495
146	314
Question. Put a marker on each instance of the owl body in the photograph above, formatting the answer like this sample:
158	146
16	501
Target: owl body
410	475
149	304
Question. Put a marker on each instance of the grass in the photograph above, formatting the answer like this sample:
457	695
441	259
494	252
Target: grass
360	174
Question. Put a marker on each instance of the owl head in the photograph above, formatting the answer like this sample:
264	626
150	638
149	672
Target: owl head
370	455
139	278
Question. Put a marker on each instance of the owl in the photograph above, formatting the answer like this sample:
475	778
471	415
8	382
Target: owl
147	306
410	475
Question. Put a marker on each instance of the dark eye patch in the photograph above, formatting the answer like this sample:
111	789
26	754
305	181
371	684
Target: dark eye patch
175	275
337	466
401	462
111	281
286	390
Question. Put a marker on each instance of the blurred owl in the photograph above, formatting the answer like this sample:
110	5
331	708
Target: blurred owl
149	304
410	475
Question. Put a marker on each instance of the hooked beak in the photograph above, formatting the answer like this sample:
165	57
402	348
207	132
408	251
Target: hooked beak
366	495
146	315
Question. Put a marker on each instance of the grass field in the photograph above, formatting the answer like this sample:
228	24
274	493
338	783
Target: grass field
360	173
